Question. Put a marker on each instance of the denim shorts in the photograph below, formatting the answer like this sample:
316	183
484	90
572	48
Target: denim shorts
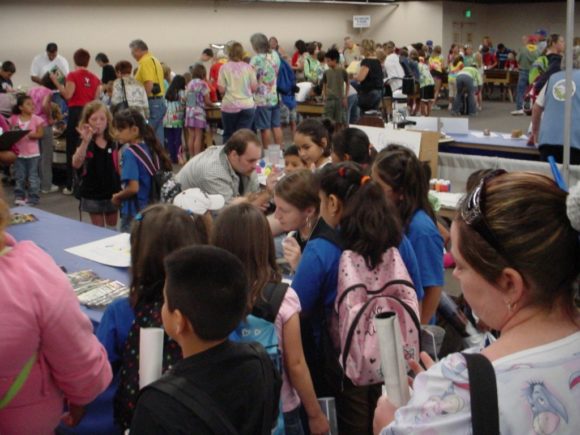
100	206
267	117
287	116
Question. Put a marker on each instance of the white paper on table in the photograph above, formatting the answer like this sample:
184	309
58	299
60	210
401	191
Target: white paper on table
455	125
392	362
150	355
448	199
382	137
426	123
508	136
481	135
113	251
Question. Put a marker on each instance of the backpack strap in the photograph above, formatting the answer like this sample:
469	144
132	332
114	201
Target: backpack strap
197	401
144	158
18	382
273	295
483	394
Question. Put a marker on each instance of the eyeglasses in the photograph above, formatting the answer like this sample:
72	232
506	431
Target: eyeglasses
473	213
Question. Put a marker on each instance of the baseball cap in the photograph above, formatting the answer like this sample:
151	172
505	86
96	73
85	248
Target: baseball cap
198	202
429	43
542	32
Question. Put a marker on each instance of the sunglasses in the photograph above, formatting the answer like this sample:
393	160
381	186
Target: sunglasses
473	213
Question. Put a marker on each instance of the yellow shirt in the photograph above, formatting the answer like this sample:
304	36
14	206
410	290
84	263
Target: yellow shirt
150	70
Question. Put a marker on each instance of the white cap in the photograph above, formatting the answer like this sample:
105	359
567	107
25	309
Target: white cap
198	202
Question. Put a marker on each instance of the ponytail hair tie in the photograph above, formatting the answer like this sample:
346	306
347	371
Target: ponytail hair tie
138	217
364	180
342	171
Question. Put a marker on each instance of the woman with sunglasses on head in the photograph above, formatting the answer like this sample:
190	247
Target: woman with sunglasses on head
404	181
518	260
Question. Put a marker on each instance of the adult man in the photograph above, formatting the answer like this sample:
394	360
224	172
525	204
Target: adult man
393	67
7	70
45	62
150	74
548	130
351	51
227	170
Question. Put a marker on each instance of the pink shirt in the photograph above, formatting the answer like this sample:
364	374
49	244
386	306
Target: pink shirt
38	94
290	306
27	147
40	312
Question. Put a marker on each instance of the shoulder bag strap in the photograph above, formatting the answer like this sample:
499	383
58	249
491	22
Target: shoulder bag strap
18	382
274	294
155	66
124	92
483	395
197	401
144	158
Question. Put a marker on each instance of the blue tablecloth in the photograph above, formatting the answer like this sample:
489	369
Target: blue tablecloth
54	234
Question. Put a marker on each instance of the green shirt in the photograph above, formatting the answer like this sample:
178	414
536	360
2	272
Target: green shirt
334	81
474	73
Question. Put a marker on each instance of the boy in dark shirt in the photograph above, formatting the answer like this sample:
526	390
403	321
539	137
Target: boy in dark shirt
335	89
233	384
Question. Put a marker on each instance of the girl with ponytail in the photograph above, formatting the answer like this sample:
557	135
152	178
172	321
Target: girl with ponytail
132	129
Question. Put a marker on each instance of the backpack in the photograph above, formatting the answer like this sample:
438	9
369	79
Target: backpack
361	295
164	186
125	401
539	67
286	84
258	327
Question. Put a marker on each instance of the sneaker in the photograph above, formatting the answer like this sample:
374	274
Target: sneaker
20	202
67	191
53	188
518	112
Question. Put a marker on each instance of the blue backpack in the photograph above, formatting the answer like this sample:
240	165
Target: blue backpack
286	84
259	327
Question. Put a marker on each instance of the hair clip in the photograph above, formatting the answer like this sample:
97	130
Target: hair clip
139	217
364	180
342	171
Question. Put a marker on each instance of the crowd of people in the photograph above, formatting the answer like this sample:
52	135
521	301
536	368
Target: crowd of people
215	259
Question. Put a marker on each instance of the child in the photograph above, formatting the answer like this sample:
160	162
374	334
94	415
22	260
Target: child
174	116
197	96
455	66
28	150
312	68
352	144
427	87
158	231
436	66
401	175
478	58
97	160
292	160
255	248
511	63
205	298
132	129
313	141
335	88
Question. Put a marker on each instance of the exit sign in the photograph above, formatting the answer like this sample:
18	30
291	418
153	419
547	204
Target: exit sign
467	13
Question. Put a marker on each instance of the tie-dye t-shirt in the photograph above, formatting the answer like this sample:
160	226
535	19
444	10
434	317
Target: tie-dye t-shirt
266	67
538	393
238	79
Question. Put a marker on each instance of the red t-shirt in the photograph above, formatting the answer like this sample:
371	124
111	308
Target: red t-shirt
295	57
214	72
86	84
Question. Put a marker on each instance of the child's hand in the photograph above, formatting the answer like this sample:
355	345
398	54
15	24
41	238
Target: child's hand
292	252
384	414
319	424
86	132
116	200
416	367
74	415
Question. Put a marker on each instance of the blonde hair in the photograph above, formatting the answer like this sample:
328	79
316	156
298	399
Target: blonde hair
236	52
93	107
368	47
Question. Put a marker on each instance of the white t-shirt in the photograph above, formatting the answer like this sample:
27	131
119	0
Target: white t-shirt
41	64
541	98
538	393
394	71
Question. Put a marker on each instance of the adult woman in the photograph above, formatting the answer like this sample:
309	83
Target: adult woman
370	77
126	88
517	261
275	46
81	87
108	73
237	83
255	248
297	202
45	338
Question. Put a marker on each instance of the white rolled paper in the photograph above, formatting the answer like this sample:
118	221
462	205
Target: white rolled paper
150	355
392	360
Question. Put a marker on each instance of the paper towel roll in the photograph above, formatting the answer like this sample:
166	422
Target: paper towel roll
150	355
392	361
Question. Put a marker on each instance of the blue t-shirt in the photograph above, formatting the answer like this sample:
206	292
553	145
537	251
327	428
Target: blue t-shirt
114	328
133	169
410	259
428	246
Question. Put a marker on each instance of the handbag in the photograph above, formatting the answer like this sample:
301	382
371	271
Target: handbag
483	395
123	104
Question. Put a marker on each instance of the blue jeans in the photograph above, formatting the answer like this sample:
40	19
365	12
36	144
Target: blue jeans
465	86
521	89
233	122
352	113
157	109
27	170
292	423
370	100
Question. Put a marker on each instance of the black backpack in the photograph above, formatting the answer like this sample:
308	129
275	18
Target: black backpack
164	187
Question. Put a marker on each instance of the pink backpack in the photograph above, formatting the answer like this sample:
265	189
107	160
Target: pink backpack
361	295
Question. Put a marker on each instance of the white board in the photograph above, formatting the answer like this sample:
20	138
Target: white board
382	137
